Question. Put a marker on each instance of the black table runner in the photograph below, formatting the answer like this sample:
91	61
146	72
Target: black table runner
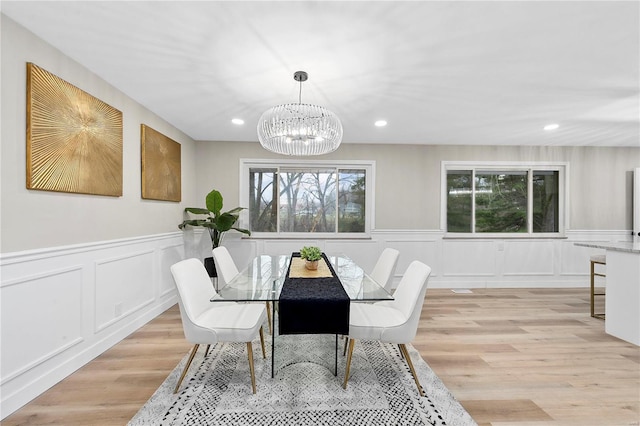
313	305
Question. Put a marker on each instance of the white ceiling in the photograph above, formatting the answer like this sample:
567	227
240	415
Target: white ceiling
441	72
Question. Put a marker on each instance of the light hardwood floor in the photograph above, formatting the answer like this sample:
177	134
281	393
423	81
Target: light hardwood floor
510	356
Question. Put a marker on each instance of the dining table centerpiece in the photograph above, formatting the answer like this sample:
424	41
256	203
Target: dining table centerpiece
311	256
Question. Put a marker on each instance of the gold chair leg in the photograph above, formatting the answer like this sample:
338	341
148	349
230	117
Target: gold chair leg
269	317
186	367
403	349
348	367
264	354
253	374
592	289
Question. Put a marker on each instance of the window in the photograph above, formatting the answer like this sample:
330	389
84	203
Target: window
520	199
295	198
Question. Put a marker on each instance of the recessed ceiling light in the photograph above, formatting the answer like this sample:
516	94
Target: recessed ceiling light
380	123
553	126
238	121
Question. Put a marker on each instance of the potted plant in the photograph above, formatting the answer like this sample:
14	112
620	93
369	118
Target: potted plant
311	255
216	221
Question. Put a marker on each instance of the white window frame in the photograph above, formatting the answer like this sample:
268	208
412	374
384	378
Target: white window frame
369	166
563	196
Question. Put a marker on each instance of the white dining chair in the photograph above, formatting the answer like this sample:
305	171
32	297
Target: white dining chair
383	273
206	322
394	322
385	268
227	270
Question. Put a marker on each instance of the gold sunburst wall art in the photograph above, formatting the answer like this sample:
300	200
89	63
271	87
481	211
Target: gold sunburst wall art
161	170
74	140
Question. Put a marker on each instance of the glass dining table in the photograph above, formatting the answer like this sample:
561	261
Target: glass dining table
263	278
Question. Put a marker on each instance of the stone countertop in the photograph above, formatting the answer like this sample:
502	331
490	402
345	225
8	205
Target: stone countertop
629	247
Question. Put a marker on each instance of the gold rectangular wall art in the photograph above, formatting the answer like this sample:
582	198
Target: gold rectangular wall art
161	169
74	140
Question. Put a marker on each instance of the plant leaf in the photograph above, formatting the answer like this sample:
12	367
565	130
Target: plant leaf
197	210
225	221
236	210
214	202
244	231
216	222
193	222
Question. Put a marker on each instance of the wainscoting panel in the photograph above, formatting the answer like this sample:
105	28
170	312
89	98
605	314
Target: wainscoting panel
576	259
424	250
168	256
41	317
365	253
456	263
468	258
121	287
64	306
530	257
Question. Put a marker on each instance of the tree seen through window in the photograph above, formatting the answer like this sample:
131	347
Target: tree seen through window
307	200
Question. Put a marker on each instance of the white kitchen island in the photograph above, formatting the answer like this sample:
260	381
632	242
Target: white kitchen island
622	302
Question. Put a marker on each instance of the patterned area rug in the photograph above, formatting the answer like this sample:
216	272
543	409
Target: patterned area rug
381	390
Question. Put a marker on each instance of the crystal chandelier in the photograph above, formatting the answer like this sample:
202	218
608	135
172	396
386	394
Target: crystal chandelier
299	129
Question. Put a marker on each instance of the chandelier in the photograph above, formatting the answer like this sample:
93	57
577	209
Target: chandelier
299	129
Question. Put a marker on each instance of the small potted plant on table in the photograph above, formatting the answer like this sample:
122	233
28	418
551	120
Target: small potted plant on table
311	255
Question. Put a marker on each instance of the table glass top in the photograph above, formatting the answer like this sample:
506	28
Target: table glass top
263	278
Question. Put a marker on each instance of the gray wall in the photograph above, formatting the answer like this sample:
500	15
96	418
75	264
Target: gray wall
37	219
408	178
